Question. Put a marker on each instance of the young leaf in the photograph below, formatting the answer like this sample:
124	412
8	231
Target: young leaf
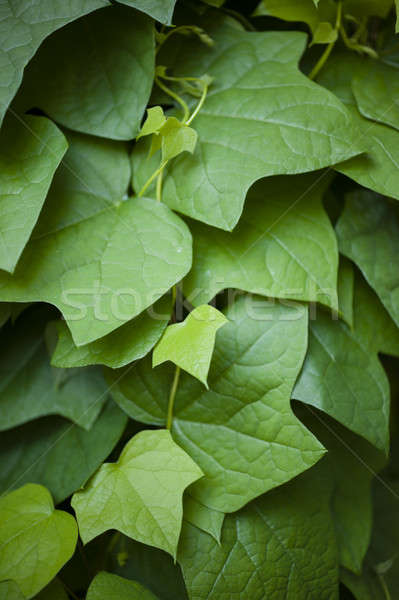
31	149
204	518
141	494
113	587
124	345
77	394
56	454
35	540
368	234
376	90
26	28
241	432
161	10
95	76
176	137
289	124
154	122
284	246
279	546
190	344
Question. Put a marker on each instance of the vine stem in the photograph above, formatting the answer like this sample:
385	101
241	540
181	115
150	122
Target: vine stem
172	397
384	587
324	57
176	97
151	179
199	105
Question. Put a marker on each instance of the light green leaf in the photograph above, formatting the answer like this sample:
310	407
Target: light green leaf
100	259
25	26
190	344
154	121
346	283
376	90
161	10
76	394
280	546
368	234
35	540
124	345
141	494
204	518
112	587
31	149
10	591
260	118
343	377
242	432
95	76
324	34
56	454
176	137
284	246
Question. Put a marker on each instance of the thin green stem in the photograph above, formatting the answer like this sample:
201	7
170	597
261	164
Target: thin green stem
325	56
353	45
172	32
151	179
172	397
175	96
199	105
384	587
159	184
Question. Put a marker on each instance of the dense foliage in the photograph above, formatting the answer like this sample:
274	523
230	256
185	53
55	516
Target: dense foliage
199	300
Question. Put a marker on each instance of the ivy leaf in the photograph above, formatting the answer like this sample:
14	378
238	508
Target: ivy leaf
154	122
31	149
284	247
241	432
77	395
141	494
124	345
368	234
95	76
263	100
287	533
176	137
56	454
376	90
113	587
122	254
35	540
26	29
204	518
343	377
161	10
190	344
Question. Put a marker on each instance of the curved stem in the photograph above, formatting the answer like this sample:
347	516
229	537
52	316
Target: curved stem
172	396
384	587
353	45
151	179
175	96
324	57
172	32
199	105
159	184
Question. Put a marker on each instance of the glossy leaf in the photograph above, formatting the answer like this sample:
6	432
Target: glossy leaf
241	432
113	587
283	246
31	149
368	233
263	99
190	344
95	76
280	546
141	494
24	357
57	454
35	540
161	10
25	26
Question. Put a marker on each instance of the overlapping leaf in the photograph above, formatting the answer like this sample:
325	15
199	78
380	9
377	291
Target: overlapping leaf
241	432
283	246
376	91
35	540
161	10
113	587
202	517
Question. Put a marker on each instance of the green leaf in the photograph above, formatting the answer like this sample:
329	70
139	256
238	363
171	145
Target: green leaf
141	494
161	10
76	394
101	259
176	137
95	76
343	377
124	345
284	247
190	344
376	90
35	540
10	591
364	587
26	25
54	591
154	121
204	518
368	234
56	454
365	8
31	149
279	546
113	587
241	432
346	281
261	117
